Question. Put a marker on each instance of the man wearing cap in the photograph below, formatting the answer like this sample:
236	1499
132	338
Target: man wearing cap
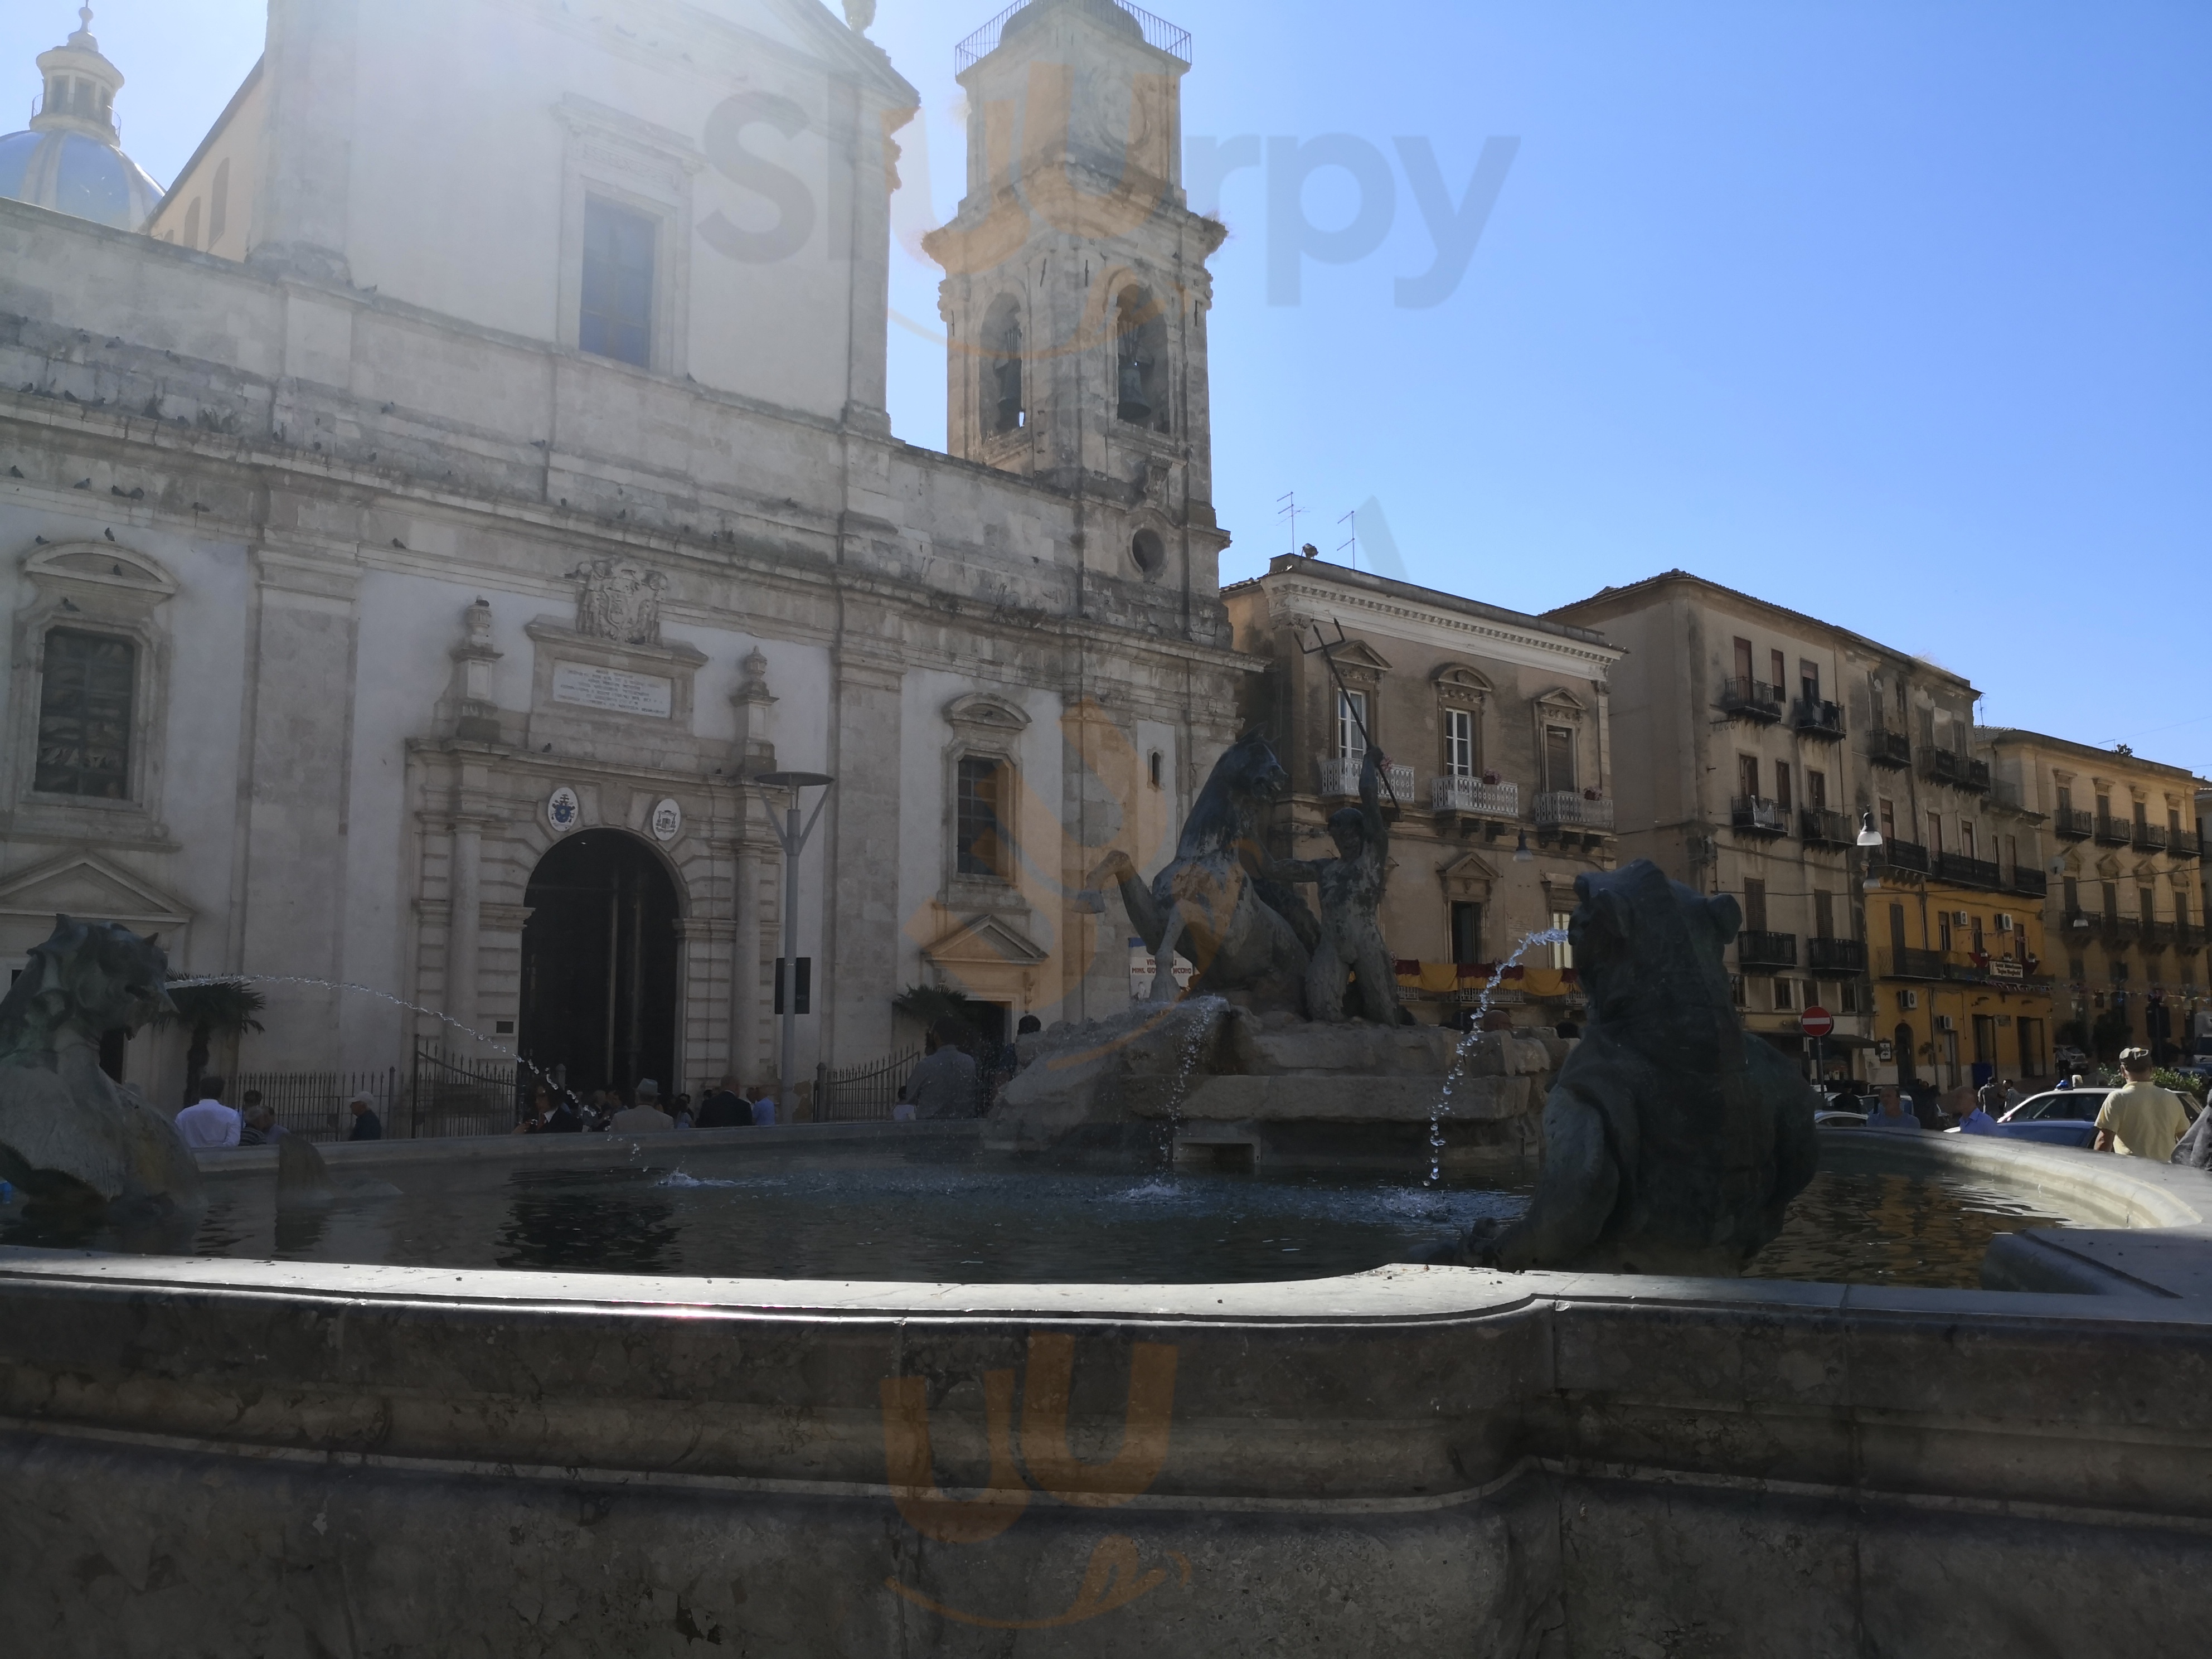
2140	1119
646	1115
367	1126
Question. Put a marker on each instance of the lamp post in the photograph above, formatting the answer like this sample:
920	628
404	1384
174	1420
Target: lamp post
793	839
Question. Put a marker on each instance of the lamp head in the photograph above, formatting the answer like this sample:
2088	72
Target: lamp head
1868	835
1521	853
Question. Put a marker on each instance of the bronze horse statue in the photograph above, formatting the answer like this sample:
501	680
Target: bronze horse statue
1248	937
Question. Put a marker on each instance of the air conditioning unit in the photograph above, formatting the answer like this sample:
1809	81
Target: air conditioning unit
2004	922
1960	919
1945	1023
1908	999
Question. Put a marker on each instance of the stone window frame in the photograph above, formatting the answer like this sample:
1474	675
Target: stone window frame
1362	668
1013	299
1462	686
93	588
1560	706
987	727
645	169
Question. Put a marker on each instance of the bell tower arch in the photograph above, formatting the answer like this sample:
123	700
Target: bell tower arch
1076	292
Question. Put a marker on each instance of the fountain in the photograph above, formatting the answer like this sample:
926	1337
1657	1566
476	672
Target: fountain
1000	1386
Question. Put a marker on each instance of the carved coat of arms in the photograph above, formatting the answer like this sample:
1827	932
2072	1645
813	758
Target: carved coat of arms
619	600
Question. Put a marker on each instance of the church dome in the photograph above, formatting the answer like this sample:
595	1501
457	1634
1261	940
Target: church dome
71	159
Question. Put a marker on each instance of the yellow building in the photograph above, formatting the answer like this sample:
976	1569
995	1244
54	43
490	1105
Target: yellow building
1963	981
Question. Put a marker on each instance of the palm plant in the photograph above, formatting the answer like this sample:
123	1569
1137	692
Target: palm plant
224	1007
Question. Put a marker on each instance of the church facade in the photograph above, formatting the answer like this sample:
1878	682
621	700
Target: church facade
413	559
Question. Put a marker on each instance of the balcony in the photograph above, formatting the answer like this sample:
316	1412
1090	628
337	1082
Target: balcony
1917	964
1760	818
1968	872
2149	837
2079	922
2120	930
2028	880
1340	775
1959	771
2188	938
1751	700
1903	855
1758	949
2155	935
2187	844
2113	832
1885	748
1815	718
1474	798
1565	809
1836	956
1820	828
2070	825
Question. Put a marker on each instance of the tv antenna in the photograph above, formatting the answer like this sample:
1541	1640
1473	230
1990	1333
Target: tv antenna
1286	507
1353	540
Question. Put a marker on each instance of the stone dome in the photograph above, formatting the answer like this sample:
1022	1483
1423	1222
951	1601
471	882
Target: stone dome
71	159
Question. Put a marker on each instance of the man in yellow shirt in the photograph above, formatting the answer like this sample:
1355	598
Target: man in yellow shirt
2141	1120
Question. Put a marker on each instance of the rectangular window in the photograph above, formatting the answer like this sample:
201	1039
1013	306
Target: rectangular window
1781	785
1808	680
1943	930
1558	759
84	715
980	829
1979	948
1776	665
1747	774
1743	662
1824	915
2065	800
1966	837
1459	743
1935	834
1466	932
1351	726
1785	995
2141	815
1754	906
1896	928
617	307
2146	904
1816	790
1888	819
2071	888
1563	954
2111	897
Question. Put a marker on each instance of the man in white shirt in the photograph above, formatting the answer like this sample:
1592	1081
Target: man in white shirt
764	1107
209	1122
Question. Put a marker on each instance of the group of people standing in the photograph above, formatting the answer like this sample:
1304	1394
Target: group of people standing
207	1122
725	1106
2139	1119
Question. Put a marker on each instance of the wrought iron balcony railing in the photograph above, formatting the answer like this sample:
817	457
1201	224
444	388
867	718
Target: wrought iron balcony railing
1904	855
2188	938
2185	844
1917	964
1566	808
2070	824
1815	718
1968	872
2030	881
1761	817
1963	770
2150	838
1473	796
1763	950
1826	829
1887	747
1836	956
1158	32
2113	832
2155	935
1752	699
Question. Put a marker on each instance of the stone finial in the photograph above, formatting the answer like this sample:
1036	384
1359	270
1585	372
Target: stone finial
477	621
859	14
469	702
753	752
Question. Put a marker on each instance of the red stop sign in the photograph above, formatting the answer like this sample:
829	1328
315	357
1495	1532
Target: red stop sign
1816	1021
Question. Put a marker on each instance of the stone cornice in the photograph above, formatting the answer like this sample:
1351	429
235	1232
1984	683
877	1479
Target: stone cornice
1536	645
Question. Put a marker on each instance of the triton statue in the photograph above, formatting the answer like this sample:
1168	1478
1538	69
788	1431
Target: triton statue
1351	886
67	1132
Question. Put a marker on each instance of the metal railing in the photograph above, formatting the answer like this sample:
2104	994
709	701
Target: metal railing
1158	32
1968	872
1836	956
1917	964
2155	935
1340	775
2149	837
2188	938
1887	747
1828	829
2071	825
1816	718
2185	844
1472	794
863	1093
1566	808
1764	950
313	1104
2029	880
1963	770
1753	699
1764	816
1904	855
457	1094
2113	832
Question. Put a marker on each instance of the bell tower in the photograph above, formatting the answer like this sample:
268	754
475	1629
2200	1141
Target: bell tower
1076	292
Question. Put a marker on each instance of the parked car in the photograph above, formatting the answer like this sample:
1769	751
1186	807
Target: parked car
1834	1118
2057	1117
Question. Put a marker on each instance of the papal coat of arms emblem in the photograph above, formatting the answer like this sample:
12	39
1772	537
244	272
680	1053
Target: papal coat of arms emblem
562	809
619	600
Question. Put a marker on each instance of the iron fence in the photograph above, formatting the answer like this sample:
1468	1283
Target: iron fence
456	1094
855	1094
313	1104
1158	33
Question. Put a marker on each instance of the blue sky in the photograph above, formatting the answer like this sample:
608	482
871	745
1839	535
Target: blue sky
1896	314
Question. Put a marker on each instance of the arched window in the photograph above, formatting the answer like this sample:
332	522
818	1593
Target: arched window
1140	344
1002	367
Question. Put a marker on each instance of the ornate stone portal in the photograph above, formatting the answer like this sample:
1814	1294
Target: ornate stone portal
67	1132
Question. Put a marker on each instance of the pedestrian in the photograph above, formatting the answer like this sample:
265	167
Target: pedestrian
367	1126
764	1107
725	1107
260	1128
1892	1112
540	1113
1978	1120
683	1111
2012	1097
645	1117
944	1085
2139	1119
1991	1098
207	1121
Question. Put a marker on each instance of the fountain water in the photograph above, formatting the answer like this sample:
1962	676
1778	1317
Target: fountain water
1204	1011
1466	1046
342	985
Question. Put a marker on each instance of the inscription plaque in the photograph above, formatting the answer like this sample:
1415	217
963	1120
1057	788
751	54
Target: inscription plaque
614	690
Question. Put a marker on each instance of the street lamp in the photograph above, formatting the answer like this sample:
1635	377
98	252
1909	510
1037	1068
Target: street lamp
1869	840
793	839
1521	853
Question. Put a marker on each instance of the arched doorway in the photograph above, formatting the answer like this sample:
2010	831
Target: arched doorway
599	964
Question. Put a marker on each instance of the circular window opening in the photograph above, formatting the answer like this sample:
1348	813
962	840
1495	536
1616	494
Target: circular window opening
1150	552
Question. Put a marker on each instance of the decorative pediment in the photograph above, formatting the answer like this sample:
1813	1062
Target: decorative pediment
983	942
102	578
984	714
1358	660
1559	703
92	888
2109	868
1456	682
1469	876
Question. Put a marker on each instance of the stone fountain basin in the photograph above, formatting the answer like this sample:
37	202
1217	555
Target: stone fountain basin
225	1456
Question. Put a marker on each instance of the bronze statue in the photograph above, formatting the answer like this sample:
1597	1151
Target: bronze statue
1351	883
